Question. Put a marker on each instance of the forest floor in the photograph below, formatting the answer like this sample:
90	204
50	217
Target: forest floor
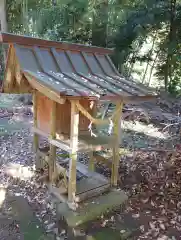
151	177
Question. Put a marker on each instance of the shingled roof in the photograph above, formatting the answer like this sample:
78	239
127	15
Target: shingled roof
70	70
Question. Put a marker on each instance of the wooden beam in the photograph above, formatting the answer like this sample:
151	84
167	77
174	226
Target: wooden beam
74	147
21	81
52	157
40	132
25	87
60	144
89	116
83	146
115	98
9	76
30	41
130	98
116	157
18	73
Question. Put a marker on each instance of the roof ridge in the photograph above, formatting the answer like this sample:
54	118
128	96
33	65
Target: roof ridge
27	40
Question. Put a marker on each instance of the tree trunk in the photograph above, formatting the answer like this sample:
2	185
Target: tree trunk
99	24
25	16
3	20
152	49
171	38
3	28
152	67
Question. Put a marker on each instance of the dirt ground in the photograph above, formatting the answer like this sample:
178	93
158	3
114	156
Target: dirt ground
151	178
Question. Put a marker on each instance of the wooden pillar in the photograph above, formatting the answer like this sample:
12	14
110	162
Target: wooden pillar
91	163
73	155
116	157
52	157
35	121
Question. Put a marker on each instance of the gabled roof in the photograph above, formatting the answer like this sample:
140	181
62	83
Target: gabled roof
69	70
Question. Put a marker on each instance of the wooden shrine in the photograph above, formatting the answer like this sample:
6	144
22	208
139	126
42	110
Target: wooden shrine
67	81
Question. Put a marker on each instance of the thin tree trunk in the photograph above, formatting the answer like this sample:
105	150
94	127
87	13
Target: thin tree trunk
152	67
153	44
25	16
3	19
3	28
172	33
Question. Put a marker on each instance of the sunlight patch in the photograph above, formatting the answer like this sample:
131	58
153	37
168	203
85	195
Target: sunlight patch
148	130
2	195
17	170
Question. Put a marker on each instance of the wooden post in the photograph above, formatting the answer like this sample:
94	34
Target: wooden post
35	123
52	157
73	155
117	128
91	163
35	120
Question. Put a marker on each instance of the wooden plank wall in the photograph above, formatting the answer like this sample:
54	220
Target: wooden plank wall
63	116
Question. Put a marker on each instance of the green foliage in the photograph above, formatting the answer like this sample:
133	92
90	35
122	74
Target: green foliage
147	17
62	22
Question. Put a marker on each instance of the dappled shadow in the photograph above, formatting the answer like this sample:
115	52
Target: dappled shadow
136	140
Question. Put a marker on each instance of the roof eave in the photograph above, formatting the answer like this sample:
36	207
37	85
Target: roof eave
130	98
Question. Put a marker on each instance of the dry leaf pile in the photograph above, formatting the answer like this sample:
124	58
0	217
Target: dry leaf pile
155	191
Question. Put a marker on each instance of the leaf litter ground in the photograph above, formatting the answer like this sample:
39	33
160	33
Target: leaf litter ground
150	176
